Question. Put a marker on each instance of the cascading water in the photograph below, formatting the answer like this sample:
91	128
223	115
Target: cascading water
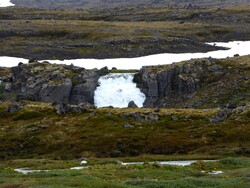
118	90
6	3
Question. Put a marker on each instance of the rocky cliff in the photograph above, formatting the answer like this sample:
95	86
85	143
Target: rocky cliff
202	83
51	83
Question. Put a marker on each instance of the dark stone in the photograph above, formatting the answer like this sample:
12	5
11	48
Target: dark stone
108	107
13	108
116	153
231	105
222	115
132	104
61	108
32	60
24	96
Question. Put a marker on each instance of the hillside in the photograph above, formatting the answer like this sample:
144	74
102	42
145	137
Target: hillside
67	129
125	32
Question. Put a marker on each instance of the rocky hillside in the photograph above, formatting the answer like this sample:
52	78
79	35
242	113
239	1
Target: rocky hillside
202	83
64	4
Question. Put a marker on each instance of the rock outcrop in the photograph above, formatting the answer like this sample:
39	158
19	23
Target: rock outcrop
53	83
193	84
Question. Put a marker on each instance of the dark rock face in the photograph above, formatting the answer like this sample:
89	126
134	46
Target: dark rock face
164	86
53	83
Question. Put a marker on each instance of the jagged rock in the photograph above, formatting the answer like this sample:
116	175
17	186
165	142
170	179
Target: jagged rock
132	104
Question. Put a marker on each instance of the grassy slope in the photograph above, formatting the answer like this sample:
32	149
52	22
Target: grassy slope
36	131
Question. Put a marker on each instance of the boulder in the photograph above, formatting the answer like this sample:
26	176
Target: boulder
61	108
132	104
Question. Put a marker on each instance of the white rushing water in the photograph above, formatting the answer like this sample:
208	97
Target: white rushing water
6	3
118	90
236	47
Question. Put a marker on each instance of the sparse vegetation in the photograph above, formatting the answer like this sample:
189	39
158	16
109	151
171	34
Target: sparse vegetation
125	32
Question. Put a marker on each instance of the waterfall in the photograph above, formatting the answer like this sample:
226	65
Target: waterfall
118	90
6	3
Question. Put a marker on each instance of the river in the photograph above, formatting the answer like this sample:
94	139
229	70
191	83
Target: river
235	47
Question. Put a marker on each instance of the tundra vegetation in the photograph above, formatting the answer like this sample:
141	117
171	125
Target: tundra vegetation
119	32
